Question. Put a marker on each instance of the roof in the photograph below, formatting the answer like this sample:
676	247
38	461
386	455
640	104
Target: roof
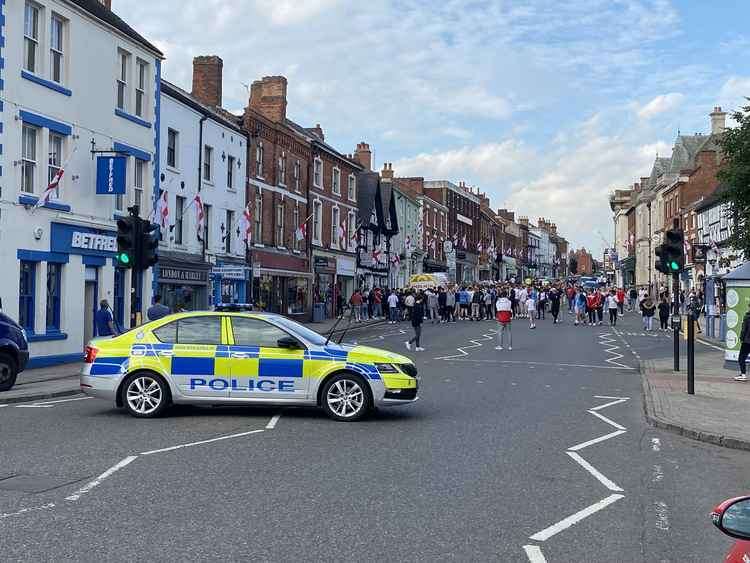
215	113
713	199
739	273
310	136
99	11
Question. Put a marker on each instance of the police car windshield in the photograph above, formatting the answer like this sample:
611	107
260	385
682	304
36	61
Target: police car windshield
299	330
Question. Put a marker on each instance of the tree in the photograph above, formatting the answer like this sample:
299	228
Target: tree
735	175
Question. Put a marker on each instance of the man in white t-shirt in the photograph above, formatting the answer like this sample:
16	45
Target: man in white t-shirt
393	307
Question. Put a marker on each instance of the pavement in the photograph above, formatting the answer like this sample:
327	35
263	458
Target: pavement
537	454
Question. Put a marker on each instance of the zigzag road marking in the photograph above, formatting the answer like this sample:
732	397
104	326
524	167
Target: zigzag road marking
462	350
533	552
607	340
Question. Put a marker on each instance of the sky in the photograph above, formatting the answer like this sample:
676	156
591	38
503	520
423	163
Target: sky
545	105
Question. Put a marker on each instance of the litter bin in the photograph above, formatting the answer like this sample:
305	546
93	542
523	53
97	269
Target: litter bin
319	312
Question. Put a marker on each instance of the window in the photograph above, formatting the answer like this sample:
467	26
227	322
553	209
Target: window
208	155
138	182
206	225
230	172
229	224
296	175
335	217
295	220
172	138
427	217
193	330
179	215
259	159
336	179
317	221
258	219
28	158
351	190
280	224
351	227
318	173
55	158
282	170
30	37
53	296
56	48
26	295
253	332
122	79
140	88
119	297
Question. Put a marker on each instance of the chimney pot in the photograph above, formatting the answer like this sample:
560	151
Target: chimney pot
718	121
268	97
363	155
207	78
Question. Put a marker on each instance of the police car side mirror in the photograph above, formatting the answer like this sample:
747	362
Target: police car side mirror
288	342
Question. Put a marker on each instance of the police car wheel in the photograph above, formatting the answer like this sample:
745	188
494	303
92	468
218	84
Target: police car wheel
8	372
346	397
145	395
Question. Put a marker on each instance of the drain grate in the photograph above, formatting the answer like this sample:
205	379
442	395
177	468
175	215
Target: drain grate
34	483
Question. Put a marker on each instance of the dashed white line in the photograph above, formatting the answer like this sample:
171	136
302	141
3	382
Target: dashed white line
47	506
573	519
534	553
595	472
588	443
96	482
657	474
656	444
201	442
272	423
662	515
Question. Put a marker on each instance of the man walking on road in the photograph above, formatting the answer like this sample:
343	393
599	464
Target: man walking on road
417	315
504	315
393	307
744	346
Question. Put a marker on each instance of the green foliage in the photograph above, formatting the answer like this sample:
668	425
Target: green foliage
736	178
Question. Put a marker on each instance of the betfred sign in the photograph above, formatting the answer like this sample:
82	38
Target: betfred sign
77	239
90	241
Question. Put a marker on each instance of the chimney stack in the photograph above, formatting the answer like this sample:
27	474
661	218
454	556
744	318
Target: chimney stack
207	75
387	172
718	121
268	97
106	3
318	132
363	155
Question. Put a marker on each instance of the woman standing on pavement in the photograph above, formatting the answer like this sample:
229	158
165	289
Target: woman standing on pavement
647	310
744	346
417	315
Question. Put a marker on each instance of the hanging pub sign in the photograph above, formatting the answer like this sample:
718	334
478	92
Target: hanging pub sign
110	175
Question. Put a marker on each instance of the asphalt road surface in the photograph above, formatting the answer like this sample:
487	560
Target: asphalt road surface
539	453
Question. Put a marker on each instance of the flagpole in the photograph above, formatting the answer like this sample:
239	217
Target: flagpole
44	198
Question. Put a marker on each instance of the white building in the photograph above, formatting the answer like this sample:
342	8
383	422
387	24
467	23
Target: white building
203	153
75	79
405	243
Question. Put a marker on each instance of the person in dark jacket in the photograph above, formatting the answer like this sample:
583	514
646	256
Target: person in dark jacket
417	315
744	346
647	310
663	313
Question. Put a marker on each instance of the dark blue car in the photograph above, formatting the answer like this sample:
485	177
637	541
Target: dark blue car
14	351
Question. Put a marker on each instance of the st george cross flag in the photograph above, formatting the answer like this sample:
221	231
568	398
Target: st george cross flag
199	217
162	210
300	233
341	233
396	260
246	225
463	242
50	189
407	243
376	255
687	248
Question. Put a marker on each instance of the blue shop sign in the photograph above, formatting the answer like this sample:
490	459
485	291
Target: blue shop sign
110	175
74	239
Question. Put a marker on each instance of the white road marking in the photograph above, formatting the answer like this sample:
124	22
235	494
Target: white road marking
64	401
573	519
534	553
617	402
595	472
607	420
1	406
656	444
709	345
458	358
588	443
201	442
33	406
657	474
96	482
272	423
662	515
47	506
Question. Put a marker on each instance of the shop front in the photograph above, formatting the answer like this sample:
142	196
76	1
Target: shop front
346	271
230	281
466	268
183	282
509	268
281	284
324	291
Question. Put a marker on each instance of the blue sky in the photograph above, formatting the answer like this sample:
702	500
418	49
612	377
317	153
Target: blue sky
545	105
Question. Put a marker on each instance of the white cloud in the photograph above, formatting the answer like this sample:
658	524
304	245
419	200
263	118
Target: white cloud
660	104
734	92
289	12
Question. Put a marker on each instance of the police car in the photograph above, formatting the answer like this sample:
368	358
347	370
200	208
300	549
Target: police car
242	358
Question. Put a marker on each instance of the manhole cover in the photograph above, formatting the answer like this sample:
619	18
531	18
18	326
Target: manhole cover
34	483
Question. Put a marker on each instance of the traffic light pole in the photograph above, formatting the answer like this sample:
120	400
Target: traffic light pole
691	353
676	319
135	270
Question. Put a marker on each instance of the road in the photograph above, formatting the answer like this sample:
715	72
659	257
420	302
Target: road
540	453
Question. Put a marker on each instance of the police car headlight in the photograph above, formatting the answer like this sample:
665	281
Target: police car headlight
386	368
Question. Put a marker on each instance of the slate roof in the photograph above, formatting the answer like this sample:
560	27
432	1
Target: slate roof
99	11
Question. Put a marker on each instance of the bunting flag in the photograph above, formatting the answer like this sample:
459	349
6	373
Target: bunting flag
407	243
199	217
376	254
54	183
162	210
396	260
300	232
341	233
245	231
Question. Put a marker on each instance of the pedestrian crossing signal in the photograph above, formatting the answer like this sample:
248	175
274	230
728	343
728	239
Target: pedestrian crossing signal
126	241
670	256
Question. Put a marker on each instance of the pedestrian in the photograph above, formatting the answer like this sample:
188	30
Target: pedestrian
647	311
632	296
393	307
522	295
157	310
442	299
571	295
432	305
504	316
105	325
489	300
612	305
592	303
554	297
356	302
580	308
463	300
409	302
664	313
417	316
450	305
744	346
541	304
600	304
377	303
477	300
531	306
621	300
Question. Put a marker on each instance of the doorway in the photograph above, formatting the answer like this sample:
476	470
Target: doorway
90	292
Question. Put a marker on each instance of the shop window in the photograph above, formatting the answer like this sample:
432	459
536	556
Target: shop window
253	332
138	183
28	158
258	219
296	296
280	225
26	295
54	277
295	222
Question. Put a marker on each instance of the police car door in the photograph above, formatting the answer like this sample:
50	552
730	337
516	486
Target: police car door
262	368
198	368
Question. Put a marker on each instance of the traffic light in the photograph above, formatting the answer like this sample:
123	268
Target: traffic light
671	254
127	240
149	244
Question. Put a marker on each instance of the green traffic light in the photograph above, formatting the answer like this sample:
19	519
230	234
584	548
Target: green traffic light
674	265
123	258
